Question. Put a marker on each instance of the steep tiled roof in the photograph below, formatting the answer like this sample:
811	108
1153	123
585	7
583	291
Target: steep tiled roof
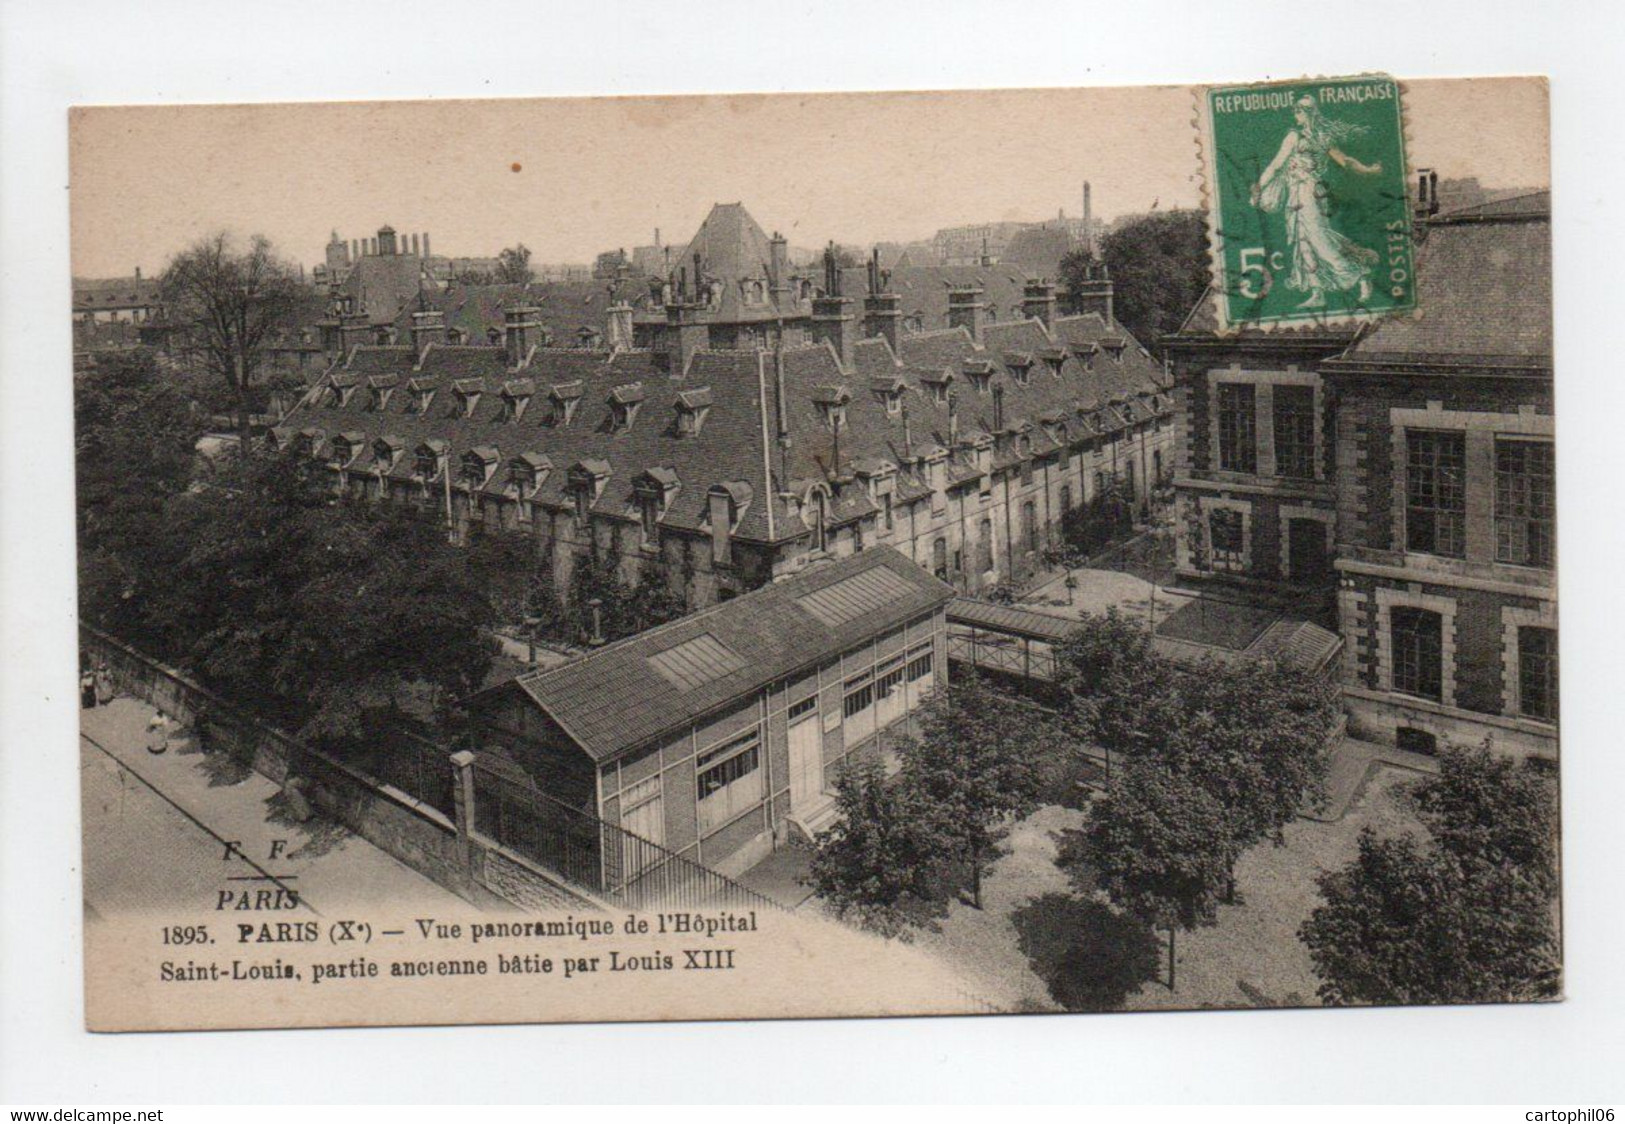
923	290
1530	204
634	691
386	284
1485	291
1203	322
728	448
114	293
564	308
729	243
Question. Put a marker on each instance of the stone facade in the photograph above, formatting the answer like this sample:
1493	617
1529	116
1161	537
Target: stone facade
1429	486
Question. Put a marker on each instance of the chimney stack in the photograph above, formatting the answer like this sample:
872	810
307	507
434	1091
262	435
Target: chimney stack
620	325
428	326
1038	302
684	334
1427	193
953	419
966	310
1094	293
1088	219
425	243
998	407
832	318
522	328
778	269
386	240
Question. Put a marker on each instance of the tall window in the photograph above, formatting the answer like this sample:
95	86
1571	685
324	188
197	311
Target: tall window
1225	531
1029	525
648	518
858	708
1238	427
1525	502
1418	654
820	517
730	780
1435	493
1295	431
1066	498
1537	672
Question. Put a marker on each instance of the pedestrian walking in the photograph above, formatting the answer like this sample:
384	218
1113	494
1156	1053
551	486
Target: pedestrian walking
104	684
87	689
158	734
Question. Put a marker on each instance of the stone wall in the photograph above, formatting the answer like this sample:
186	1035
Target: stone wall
407	829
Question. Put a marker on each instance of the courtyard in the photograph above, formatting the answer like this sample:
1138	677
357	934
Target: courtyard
1250	957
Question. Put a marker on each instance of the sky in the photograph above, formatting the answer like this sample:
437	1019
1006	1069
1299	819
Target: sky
573	177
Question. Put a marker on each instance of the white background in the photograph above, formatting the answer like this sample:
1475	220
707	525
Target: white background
57	54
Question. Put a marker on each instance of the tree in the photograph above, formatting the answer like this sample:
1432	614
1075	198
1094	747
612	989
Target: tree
1256	737
513	266
1159	270
228	303
880	864
1159	845
1091	956
135	436
978	762
1487	809
1467	915
1114	689
312	611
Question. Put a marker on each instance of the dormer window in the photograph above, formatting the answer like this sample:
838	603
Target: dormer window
586	483
563	398
653	492
468	393
526	472
338	395
419	395
692	408
980	373
1054	358
890	393
1020	364
381	387
347	447
1086	353
516	395
936	384
386	451
430	458
831	402
624	402
308	442
455	335
1115	346
478	464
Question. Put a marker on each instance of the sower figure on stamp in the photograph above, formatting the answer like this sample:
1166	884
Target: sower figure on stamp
1296	180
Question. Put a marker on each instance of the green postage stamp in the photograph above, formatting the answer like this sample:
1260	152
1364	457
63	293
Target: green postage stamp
1308	201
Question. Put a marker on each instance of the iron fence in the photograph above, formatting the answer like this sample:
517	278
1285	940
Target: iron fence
597	855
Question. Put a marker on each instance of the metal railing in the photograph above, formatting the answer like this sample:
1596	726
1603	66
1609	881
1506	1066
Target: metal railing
596	855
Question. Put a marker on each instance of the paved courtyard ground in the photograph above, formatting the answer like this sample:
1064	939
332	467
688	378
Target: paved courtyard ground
1251	957
155	829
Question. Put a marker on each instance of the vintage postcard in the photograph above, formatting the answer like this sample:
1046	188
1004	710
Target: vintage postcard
817	555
